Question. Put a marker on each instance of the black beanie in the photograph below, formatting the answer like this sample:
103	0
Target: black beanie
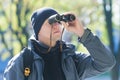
39	16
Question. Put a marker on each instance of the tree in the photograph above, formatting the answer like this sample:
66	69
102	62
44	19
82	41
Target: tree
108	15
15	16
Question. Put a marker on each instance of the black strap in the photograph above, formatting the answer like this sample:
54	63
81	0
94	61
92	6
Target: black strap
27	62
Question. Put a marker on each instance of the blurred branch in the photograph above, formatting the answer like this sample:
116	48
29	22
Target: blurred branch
107	4
3	39
18	15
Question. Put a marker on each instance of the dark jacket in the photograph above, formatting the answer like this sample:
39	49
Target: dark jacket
76	66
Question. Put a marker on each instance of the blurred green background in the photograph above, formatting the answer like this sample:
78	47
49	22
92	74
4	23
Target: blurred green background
101	16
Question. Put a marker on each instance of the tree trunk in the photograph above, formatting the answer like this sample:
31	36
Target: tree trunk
107	4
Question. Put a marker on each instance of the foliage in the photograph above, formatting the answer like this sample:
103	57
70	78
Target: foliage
15	26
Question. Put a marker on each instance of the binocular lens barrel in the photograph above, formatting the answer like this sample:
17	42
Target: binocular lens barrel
58	18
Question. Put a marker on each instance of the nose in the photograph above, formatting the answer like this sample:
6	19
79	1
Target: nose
56	25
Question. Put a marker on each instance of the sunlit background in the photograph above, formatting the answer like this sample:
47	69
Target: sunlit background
101	16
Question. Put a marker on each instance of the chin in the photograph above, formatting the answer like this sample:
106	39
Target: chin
56	38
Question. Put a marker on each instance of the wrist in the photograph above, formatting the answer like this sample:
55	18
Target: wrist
84	36
80	33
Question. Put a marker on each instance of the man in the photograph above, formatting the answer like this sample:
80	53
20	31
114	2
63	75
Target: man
56	60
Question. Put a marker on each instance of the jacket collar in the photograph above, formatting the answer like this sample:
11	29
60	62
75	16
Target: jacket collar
67	49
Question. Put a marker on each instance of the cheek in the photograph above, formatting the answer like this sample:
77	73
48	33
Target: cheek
45	33
44	36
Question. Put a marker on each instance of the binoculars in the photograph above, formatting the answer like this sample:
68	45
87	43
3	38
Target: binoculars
57	18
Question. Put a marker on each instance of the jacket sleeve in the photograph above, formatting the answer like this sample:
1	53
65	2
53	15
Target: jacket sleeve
99	60
14	69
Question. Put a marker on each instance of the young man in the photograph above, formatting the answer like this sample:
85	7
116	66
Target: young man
56	60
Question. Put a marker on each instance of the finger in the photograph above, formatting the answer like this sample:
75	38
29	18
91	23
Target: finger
65	24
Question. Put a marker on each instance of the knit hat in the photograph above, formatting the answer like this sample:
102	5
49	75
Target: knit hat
39	16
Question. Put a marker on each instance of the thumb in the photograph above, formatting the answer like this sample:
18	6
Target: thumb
65	24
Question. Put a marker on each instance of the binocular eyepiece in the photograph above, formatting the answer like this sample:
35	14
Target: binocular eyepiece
58	18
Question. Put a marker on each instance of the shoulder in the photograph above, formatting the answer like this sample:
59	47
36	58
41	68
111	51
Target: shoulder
16	61
14	68
77	55
69	46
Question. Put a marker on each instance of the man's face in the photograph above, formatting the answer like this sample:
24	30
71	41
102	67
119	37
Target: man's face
44	33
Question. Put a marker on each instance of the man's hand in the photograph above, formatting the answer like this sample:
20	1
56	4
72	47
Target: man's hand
74	26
